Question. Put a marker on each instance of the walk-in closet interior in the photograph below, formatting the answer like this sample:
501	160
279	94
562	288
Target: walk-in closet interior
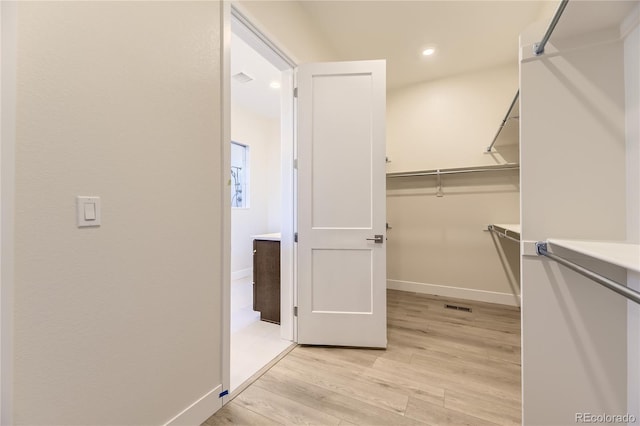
440	216
573	129
482	165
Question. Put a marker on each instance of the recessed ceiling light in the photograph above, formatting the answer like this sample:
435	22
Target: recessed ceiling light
429	51
275	85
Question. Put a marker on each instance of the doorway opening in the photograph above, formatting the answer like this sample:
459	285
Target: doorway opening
261	322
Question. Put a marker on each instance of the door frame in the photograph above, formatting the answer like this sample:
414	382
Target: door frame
236	19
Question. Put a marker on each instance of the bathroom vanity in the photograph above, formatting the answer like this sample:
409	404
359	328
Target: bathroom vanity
266	276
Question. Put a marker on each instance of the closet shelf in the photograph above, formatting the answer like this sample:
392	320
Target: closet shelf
509	129
512	227
508	231
625	255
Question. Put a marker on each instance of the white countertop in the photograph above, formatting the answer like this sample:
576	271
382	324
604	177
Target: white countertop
269	237
618	253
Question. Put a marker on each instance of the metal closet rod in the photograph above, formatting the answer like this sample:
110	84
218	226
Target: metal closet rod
438	172
538	48
504	121
541	249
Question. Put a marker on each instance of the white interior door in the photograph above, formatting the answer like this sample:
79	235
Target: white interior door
341	204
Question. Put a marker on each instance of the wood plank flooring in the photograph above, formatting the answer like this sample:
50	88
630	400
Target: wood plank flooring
441	367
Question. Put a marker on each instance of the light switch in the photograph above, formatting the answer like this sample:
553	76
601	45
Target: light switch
88	211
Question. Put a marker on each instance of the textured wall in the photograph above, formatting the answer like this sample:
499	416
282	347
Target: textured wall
118	324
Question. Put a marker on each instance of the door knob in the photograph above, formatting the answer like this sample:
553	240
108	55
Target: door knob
378	239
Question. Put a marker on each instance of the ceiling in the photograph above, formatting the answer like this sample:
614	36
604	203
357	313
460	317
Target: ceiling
255	95
592	16
468	35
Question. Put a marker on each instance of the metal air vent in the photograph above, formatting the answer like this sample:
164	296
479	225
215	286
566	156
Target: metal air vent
457	308
242	77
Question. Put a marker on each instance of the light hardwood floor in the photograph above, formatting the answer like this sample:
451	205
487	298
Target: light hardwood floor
441	367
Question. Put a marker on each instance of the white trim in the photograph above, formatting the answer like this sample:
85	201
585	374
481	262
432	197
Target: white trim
287	193
456	292
1	215
196	413
247	28
242	273
225	203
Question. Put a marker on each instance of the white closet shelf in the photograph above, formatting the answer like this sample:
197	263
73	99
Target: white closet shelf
509	130
626	255
508	231
513	227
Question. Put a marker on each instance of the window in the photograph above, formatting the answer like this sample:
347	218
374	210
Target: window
239	175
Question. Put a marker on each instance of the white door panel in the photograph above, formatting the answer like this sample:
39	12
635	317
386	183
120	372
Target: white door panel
341	204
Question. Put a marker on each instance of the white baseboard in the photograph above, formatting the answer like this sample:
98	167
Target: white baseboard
456	292
241	274
199	411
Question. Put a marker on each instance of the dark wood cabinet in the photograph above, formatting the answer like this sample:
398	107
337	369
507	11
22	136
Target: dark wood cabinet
266	279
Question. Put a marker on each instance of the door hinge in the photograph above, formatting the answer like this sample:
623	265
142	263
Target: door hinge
295	163
295	311
295	92
295	237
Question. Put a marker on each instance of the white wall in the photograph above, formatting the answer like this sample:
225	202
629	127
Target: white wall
573	186
262	135
632	105
118	324
439	241
7	157
449	122
274	161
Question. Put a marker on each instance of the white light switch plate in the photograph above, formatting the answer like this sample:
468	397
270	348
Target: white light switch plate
88	211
